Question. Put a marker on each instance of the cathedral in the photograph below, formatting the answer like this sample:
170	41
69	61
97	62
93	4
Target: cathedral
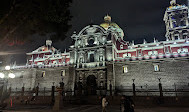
100	60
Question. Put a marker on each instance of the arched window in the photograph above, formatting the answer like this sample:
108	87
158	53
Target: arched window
91	57
176	36
125	69
100	58
185	34
156	67
81	60
63	73
43	74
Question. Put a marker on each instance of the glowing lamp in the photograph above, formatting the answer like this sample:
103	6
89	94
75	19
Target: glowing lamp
2	75
7	68
11	75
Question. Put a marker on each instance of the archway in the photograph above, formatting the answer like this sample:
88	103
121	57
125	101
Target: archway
91	85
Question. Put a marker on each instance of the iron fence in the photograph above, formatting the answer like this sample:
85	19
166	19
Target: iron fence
175	90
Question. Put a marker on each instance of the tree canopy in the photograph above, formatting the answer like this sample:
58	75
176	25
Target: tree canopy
21	18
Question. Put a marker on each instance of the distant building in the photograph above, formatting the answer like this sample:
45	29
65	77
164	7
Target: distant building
100	60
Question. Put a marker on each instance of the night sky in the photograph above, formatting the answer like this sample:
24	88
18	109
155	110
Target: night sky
139	19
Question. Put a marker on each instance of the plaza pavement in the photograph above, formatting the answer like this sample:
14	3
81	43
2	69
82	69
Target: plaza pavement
96	108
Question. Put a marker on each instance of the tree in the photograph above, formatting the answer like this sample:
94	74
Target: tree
21	18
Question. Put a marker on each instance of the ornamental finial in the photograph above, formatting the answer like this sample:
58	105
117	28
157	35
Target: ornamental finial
48	42
173	2
107	18
144	41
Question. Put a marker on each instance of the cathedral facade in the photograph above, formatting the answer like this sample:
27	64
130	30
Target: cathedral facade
100	60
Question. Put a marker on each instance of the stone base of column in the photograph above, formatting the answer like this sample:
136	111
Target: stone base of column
57	103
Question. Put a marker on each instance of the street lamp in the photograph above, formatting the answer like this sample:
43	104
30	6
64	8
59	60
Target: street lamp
4	79
2	75
11	75
7	68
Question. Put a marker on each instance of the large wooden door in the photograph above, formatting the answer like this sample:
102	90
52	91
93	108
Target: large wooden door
91	85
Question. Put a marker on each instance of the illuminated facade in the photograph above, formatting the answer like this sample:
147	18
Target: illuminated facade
47	55
100	59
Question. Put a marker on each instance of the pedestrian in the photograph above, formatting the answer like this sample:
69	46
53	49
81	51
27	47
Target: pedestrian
122	104
33	97
27	100
132	105
127	104
104	104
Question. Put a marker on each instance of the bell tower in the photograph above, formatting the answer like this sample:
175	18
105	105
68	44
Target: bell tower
176	21
188	6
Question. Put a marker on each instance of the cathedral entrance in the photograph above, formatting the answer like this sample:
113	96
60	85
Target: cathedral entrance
91	85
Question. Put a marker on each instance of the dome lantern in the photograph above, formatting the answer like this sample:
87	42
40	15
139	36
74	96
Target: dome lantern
107	18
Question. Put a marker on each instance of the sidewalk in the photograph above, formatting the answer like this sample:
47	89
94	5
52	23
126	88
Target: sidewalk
95	108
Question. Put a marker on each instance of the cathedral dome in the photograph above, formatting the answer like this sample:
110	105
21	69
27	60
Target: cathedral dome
107	23
174	5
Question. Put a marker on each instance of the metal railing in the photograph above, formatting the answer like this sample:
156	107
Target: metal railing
175	90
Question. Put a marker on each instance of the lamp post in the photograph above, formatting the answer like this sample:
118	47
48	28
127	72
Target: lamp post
10	74
160	88
2	75
7	67
5	75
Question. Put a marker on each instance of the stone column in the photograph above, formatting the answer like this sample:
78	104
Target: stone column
186	21
72	78
109	76
180	34
171	22
33	77
172	36
58	98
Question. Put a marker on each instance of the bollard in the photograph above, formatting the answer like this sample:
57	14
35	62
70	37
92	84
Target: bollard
22	91
52	94
110	88
37	90
160	100
134	91
160	88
